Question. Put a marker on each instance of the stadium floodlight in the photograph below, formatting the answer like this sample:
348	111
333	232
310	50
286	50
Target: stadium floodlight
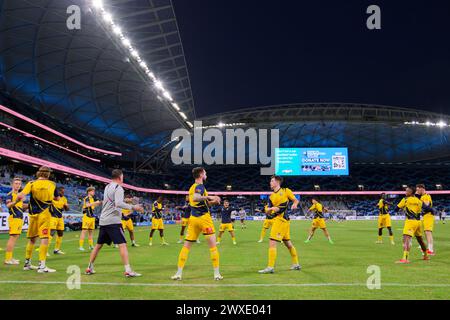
176	106
117	30
98	4
183	115
428	123
190	124
107	17
159	85
441	124
134	53
126	42
167	95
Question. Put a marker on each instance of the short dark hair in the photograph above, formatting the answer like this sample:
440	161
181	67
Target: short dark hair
278	178
116	173
420	185
412	188
197	171
226	200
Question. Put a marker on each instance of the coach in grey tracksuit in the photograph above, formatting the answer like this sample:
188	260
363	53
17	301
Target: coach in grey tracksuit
111	225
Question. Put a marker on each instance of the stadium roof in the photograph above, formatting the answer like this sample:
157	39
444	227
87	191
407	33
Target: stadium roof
86	77
304	112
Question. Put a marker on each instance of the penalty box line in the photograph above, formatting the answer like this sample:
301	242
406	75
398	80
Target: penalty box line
230	285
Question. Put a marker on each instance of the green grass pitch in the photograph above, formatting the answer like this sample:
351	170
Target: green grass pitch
336	271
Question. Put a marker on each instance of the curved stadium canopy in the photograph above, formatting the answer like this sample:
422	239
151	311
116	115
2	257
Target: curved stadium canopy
83	77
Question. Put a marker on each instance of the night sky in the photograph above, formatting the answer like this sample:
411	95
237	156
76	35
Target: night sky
249	53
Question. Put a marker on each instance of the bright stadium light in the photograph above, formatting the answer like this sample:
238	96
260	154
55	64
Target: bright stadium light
159	85
167	95
183	115
115	29
98	4
190	124
441	124
126	42
107	17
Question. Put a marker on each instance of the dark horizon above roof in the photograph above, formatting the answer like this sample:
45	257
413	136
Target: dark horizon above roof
259	53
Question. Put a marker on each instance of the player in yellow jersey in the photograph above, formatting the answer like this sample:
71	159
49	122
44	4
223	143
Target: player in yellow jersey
90	202
268	222
277	208
157	221
15	220
127	222
200	222
42	192
318	220
413	209
59	205
384	220
428	217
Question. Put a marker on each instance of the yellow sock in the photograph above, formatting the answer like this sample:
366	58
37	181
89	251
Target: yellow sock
81	243
263	233
43	249
391	238
214	253
272	257
181	238
151	239
29	250
234	239
8	255
91	242
182	258
294	255
405	255
218	239
58	243
380	238
50	238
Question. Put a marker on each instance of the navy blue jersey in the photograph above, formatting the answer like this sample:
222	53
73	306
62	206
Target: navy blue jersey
226	214
186	213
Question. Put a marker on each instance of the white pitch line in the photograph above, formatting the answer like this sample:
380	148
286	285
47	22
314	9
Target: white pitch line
424	285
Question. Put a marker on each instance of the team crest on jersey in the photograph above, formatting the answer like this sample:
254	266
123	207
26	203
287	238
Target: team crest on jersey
45	231
208	230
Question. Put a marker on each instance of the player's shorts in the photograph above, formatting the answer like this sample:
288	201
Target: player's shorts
384	221
157	224
88	223
184	222
197	225
57	224
226	227
267	223
15	225
412	228
39	225
112	233
281	230
428	222
319	223
128	225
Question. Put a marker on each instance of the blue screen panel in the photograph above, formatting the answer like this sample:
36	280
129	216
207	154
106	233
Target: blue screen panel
311	162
